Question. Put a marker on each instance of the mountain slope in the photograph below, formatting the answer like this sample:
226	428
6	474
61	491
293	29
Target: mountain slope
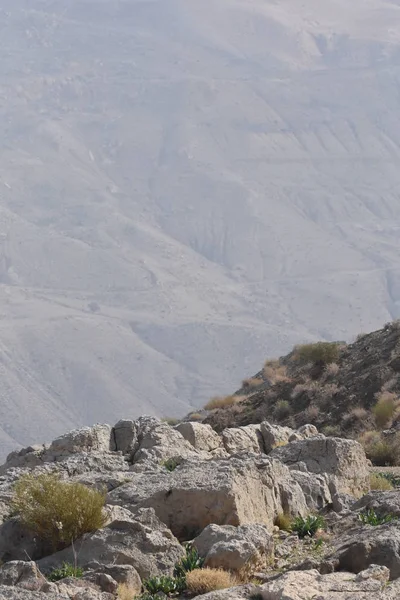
186	186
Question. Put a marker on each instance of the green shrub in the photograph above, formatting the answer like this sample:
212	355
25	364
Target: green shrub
320	352
188	563
282	409
165	584
171	463
369	517
66	570
307	526
394	480
58	511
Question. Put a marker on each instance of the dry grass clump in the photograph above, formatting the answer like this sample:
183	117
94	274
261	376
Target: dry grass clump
252	382
385	408
275	372
58	511
382	451
380	483
282	409
331	369
127	592
172	421
283	521
202	581
223	402
311	413
195	417
320	352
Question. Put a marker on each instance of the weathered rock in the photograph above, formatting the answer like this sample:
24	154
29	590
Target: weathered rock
314	487
243	439
383	503
124	437
101	580
120	573
307	431
201	437
234	548
157	442
15	593
18	543
231	491
143	542
367	545
342	461
274	435
85	439
22	574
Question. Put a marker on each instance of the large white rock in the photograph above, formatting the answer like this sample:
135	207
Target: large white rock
243	439
200	436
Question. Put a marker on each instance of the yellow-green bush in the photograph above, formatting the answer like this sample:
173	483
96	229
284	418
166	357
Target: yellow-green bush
58	511
378	482
385	408
320	352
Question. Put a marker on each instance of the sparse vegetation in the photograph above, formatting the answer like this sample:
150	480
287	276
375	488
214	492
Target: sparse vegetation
282	409
202	581
66	570
320	352
127	592
188	563
171	463
172	421
58	511
331	369
331	430
195	417
222	402
165	584
252	383
379	482
394	480
385	408
369	517
307	526
274	372
382	451
283	521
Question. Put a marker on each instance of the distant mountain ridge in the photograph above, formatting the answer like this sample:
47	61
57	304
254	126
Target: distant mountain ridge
185	187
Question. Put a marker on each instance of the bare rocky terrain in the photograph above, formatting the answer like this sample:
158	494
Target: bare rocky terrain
185	187
230	496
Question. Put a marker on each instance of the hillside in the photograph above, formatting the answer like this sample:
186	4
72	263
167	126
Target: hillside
348	390
186	186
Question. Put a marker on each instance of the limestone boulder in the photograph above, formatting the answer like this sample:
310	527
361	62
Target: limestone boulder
158	441
243	439
274	435
342	461
307	431
17	543
235	548
126	574
24	574
201	437
233	491
84	439
15	593
124	437
142	542
383	503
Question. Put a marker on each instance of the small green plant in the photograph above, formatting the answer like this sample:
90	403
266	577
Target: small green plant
188	563
369	517
163	583
170	464
66	570
307	526
320	352
58	511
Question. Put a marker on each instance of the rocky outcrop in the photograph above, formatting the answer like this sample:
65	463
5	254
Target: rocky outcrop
201	437
231	491
142	542
243	439
274	435
247	547
343	462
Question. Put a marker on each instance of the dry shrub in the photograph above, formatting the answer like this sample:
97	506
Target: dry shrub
390	384
275	372
311	413
127	592
382	451
309	388
385	408
58	511
222	402
195	417
282	409
172	421
320	352
202	581
252	382
331	431
380	483
283	521
331	370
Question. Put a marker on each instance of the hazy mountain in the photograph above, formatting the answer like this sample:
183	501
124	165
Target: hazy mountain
186	187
